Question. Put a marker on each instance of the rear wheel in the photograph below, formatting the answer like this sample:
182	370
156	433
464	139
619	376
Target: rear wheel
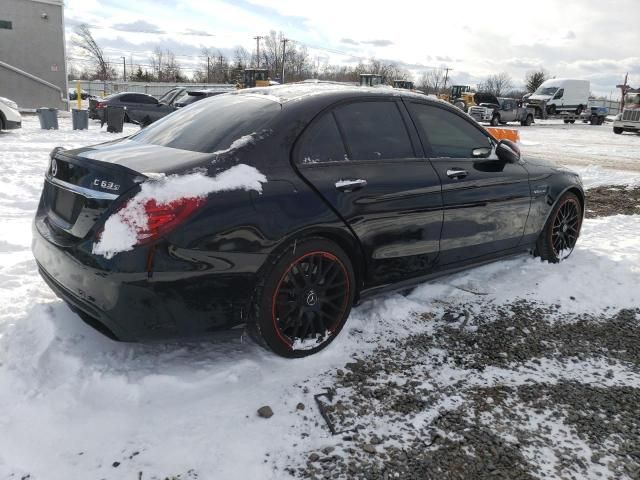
306	299
617	130
600	120
560	234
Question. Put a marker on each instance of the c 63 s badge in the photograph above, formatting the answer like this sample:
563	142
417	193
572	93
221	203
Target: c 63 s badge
105	185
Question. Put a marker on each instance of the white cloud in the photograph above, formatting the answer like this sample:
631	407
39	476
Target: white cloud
509	36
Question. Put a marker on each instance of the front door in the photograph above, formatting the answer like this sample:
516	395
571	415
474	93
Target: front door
365	159
486	201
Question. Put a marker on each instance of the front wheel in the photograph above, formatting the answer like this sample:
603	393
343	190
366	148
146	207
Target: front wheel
306	298
560	234
617	130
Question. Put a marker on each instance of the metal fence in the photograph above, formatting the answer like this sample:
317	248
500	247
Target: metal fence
612	105
157	89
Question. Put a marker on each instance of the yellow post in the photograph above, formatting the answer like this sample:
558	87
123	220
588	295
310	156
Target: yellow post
79	94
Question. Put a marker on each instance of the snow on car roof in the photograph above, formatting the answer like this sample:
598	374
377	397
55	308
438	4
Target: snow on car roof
297	91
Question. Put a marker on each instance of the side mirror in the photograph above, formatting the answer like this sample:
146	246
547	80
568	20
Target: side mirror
508	151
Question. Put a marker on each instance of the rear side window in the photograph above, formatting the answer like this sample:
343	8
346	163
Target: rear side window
448	134
212	124
143	99
322	142
374	130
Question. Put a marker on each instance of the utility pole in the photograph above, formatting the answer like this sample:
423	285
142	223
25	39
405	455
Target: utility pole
257	39
208	68
284	46
446	77
124	68
623	88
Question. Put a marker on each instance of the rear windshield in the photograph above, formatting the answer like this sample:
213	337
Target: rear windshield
212	124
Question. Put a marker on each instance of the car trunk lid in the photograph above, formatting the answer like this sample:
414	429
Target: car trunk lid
83	186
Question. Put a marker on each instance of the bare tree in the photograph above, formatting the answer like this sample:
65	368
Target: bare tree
165	67
498	84
432	81
534	79
84	41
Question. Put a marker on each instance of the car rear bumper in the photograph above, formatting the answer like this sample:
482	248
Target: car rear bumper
158	305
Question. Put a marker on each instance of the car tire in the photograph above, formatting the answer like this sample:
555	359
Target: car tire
461	105
600	120
551	110
593	120
560	234
2	124
304	299
617	130
495	120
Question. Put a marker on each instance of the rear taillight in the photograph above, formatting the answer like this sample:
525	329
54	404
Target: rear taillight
163	218
101	105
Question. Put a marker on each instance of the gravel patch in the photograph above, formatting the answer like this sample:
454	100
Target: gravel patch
612	200
515	391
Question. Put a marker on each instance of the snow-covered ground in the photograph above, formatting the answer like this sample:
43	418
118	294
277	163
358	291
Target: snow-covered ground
582	144
75	404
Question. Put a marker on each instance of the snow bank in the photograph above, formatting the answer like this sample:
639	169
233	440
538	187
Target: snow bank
122	230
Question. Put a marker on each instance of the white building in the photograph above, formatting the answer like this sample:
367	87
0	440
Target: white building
33	69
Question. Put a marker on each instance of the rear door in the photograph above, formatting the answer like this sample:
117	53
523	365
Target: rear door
508	113
486	201
365	159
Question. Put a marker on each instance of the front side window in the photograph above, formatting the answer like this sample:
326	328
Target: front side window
322	142
448	134
374	131
559	94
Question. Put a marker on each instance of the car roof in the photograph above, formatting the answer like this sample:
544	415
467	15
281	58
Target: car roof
298	92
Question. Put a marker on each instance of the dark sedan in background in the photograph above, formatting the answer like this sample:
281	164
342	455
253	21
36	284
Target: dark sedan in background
127	100
146	116
366	190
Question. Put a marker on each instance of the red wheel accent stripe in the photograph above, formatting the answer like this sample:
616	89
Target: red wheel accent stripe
328	255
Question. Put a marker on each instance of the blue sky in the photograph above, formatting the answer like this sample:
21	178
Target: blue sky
592	39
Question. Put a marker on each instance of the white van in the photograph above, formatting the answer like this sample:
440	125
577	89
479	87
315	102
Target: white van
562	95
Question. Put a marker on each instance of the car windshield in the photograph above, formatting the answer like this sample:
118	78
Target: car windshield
546	91
212	124
167	96
632	99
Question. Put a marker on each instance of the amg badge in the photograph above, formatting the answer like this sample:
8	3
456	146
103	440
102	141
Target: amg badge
104	184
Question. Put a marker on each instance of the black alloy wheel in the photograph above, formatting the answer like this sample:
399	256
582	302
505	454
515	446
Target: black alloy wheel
306	298
561	233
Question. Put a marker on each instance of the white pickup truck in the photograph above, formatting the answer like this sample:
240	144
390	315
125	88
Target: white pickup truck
501	110
629	119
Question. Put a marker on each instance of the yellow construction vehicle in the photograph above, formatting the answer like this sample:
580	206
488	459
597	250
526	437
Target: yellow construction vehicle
255	77
461	96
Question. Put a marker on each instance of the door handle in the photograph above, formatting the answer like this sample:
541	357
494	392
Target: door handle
457	173
350	185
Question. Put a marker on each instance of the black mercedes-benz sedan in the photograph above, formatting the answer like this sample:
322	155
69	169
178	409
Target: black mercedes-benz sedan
281	207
